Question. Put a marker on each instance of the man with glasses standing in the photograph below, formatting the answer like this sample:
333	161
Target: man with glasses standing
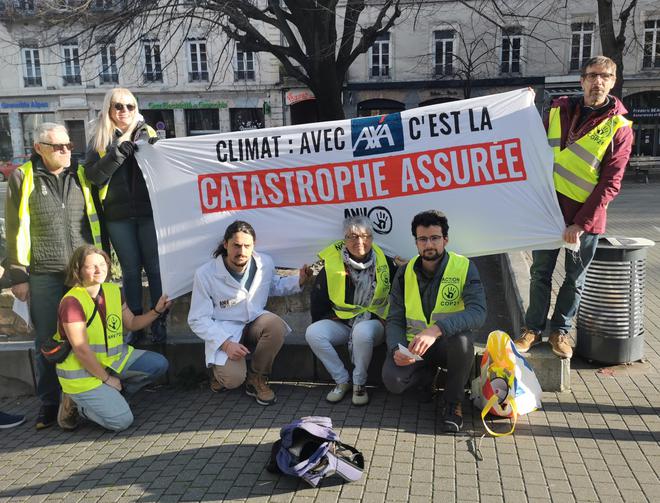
49	213
591	140
436	300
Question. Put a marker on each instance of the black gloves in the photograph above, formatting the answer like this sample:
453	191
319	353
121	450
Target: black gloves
152	140
127	148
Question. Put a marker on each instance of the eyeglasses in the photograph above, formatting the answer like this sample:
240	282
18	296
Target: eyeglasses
59	147
120	106
434	240
355	237
592	76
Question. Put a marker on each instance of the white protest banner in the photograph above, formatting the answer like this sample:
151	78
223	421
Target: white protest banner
485	162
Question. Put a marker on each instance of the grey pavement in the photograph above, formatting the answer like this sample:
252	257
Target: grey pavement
600	442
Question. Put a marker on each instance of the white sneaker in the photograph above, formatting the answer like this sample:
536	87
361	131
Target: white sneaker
360	396
338	392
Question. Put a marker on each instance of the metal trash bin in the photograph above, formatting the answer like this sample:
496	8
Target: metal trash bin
610	320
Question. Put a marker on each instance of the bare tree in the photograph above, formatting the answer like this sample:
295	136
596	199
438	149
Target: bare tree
613	40
301	34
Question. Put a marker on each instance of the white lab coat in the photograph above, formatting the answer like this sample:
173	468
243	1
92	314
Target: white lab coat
220	307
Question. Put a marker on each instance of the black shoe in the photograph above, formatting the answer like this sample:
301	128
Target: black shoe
424	393
452	418
47	416
159	329
10	420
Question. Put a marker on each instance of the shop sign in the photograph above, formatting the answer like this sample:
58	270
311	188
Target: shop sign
293	97
186	105
25	104
647	112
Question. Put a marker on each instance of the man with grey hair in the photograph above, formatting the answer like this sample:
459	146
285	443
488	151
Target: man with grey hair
49	212
349	304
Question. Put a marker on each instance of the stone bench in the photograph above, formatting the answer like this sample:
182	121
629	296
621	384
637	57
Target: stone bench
296	362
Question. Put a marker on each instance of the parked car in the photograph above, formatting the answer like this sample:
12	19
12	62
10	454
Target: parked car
8	167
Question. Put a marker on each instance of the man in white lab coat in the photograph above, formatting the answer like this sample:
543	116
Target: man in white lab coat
227	312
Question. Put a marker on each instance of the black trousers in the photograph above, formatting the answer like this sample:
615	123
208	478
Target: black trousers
455	354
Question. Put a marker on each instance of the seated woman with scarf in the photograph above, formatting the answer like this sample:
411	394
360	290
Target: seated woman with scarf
349	304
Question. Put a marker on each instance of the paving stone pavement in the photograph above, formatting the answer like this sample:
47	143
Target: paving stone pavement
600	442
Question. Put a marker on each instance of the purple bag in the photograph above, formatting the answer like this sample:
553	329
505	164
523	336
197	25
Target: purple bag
309	448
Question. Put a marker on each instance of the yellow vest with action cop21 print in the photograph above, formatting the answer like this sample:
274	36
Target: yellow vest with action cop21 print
335	272
106	344
449	299
23	240
577	167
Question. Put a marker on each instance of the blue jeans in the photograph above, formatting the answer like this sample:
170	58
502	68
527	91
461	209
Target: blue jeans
46	291
134	240
323	335
106	406
570	292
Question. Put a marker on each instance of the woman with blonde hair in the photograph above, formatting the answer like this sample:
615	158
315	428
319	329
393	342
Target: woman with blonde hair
111	165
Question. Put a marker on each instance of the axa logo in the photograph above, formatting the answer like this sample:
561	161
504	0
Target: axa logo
377	135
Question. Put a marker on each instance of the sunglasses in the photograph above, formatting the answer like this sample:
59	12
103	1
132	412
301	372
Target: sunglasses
59	147
120	106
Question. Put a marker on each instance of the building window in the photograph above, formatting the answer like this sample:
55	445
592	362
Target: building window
102	4
24	5
380	56
651	44
202	121
31	68
109	73
244	65
6	151
583	34
511	45
71	75
153	71
242	119
198	70
444	52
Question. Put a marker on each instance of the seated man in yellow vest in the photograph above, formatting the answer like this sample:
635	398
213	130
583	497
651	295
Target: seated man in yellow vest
591	141
349	304
49	212
435	301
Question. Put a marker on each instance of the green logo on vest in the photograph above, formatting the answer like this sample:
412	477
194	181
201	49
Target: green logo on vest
114	325
450	293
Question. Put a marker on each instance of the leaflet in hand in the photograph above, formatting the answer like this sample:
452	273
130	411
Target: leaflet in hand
404	350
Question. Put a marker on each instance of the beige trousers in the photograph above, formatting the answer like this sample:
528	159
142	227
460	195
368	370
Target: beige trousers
264	337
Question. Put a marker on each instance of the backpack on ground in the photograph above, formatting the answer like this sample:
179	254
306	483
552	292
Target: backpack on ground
309	448
506	385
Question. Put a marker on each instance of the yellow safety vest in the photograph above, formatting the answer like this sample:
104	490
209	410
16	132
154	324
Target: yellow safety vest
577	167
450	294
107	345
335	272
103	191
23	241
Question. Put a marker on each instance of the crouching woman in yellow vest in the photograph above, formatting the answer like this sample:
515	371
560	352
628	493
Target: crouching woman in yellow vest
92	316
349	304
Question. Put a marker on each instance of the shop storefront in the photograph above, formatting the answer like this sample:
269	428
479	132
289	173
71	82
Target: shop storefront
644	111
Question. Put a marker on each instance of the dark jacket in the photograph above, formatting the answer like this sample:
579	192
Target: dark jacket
592	214
474	299
320	304
58	221
127	193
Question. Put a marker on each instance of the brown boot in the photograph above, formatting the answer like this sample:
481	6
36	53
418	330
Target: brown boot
67	415
560	343
256	385
215	385
528	339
